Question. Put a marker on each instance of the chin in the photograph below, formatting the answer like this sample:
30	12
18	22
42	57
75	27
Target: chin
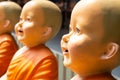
20	38
67	62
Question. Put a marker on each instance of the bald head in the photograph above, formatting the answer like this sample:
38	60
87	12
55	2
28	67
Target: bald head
111	19
12	11
110	11
52	14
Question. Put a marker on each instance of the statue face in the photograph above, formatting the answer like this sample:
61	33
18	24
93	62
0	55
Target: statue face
30	28
82	46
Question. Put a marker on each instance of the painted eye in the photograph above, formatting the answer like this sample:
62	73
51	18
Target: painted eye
28	19
77	30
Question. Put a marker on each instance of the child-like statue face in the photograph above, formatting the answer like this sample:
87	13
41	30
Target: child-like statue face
30	29
82	47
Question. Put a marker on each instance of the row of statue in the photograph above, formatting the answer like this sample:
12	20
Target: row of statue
91	49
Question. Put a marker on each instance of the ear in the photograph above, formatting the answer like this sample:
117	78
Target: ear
112	49
7	22
47	31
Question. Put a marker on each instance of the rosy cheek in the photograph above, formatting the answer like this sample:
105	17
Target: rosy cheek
72	48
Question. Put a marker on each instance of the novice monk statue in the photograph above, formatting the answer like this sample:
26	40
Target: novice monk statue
40	21
9	15
92	47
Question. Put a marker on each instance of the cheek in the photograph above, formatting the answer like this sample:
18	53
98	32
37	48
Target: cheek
82	46
28	28
78	44
76	50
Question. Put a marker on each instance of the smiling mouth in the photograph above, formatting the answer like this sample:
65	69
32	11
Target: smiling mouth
66	51
20	32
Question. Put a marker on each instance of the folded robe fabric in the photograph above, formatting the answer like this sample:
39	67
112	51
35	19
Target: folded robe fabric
36	63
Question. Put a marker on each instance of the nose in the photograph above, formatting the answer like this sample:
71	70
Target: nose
18	25
65	38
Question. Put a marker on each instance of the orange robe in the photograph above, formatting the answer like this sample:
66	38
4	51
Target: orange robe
8	47
37	63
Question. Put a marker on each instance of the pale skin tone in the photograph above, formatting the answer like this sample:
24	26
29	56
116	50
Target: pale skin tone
83	47
7	22
4	23
31	24
9	12
26	29
31	30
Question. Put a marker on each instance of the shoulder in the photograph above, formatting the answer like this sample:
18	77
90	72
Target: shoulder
41	50
20	51
7	36
42	53
7	42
